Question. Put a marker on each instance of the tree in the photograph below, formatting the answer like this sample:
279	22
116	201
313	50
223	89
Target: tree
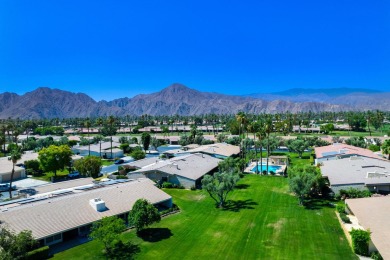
145	139
15	246
89	166
327	128
87	124
219	185
386	148
108	231
298	146
15	155
54	158
143	214
305	180
137	154
109	129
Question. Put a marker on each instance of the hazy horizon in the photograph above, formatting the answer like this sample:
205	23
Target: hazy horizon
115	49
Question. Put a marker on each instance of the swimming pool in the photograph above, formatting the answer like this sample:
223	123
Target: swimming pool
271	168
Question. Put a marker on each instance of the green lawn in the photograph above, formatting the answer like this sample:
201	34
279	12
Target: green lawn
263	221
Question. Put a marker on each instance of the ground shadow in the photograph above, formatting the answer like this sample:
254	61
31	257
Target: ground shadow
242	186
123	250
155	234
314	204
237	205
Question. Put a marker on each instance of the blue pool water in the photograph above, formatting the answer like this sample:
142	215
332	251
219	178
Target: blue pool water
263	167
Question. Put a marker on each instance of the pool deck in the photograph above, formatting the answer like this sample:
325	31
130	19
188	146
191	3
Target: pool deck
278	173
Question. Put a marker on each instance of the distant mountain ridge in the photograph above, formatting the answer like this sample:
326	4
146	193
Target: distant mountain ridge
356	98
175	99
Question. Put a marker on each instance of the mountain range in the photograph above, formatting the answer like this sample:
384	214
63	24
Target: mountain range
179	99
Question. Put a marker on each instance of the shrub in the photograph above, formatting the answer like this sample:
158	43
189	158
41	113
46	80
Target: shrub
38	254
360	240
374	148
355	193
172	209
376	256
121	177
345	218
272	172
340	208
167	185
193	187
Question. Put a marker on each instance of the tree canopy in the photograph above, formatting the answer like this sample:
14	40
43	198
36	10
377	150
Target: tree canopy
143	214
108	231
89	166
305	180
54	158
386	148
146	139
219	185
15	246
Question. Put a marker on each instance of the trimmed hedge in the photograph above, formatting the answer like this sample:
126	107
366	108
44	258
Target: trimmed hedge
38	254
360	240
340	208
345	218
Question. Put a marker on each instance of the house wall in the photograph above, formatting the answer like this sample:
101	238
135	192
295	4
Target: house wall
19	174
179	180
385	188
336	188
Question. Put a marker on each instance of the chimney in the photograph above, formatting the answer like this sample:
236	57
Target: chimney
98	204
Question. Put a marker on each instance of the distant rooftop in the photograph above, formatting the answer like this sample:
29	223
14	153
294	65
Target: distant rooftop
343	149
356	170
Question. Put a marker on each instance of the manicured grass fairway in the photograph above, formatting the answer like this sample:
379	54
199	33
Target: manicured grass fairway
264	222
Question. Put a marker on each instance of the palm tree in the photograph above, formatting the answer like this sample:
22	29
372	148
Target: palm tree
268	130
260	135
99	122
15	155
111	121
87	124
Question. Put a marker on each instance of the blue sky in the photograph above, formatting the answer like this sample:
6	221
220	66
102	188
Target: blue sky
111	49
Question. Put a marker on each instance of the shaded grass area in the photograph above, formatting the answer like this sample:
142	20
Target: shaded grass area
262	221
61	174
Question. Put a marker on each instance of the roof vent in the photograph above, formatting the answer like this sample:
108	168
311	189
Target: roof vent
98	204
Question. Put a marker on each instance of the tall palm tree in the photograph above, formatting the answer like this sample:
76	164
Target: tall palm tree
260	136
111	121
268	130
15	155
87	124
99	122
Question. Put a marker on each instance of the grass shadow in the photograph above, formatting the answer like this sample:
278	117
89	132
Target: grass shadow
237	205
123	250
242	186
155	234
314	204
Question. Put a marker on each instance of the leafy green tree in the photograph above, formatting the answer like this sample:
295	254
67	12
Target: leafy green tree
54	158
89	166
15	246
357	121
386	148
143	214
327	128
219	185
138	154
305	180
15	155
108	231
145	139
298	146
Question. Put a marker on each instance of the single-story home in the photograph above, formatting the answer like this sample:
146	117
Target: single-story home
357	172
6	166
187	170
68	213
339	151
372	213
218	150
94	149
